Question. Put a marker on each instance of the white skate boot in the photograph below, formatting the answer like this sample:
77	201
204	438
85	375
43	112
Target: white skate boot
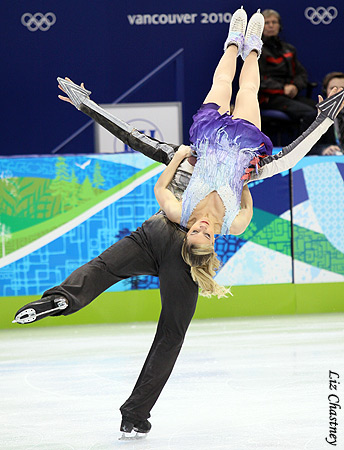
237	29
253	35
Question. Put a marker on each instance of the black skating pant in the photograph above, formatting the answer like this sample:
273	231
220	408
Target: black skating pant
154	249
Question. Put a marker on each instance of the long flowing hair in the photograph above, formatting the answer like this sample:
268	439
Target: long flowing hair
204	263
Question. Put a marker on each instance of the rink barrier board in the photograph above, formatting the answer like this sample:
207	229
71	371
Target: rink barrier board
144	306
45	237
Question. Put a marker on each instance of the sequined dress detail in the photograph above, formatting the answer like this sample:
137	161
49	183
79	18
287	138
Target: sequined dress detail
224	150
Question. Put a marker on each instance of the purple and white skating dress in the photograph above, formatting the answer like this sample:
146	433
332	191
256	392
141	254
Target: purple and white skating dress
224	148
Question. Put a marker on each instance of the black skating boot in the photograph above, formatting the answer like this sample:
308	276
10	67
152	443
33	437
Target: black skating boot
141	427
51	305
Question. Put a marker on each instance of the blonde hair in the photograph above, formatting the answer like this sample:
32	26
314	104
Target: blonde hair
204	263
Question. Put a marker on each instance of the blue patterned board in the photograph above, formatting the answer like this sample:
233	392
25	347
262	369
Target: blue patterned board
318	193
51	264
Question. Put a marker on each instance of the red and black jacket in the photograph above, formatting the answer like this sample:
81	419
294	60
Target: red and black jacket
279	66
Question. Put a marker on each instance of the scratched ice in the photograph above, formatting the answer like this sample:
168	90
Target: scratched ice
244	383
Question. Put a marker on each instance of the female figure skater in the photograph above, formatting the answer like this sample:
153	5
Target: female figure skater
225	147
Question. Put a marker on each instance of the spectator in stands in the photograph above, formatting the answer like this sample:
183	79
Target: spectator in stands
332	142
282	76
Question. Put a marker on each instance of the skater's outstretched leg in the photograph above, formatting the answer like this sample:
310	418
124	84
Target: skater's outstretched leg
128	257
246	103
221	90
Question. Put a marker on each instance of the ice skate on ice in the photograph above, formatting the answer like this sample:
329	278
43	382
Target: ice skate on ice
46	306
133	430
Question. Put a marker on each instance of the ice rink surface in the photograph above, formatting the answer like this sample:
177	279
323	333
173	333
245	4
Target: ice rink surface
243	383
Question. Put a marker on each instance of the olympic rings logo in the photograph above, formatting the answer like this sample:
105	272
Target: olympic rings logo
321	14
38	21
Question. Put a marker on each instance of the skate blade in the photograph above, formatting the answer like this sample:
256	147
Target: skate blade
135	436
29	315
26	316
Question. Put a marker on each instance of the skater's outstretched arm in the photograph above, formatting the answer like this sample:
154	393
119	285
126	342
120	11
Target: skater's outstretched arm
152	148
290	155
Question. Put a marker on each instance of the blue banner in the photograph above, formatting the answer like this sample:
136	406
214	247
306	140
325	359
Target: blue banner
112	45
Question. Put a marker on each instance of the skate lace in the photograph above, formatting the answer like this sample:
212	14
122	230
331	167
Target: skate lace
255	28
238	25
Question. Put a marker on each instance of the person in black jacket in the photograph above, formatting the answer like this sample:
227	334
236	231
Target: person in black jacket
332	142
282	76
